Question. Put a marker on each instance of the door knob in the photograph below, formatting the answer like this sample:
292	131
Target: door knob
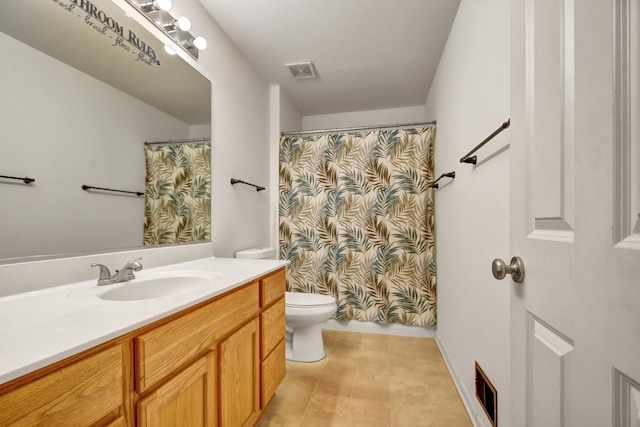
516	269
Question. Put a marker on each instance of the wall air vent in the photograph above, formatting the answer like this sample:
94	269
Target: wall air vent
487	395
302	70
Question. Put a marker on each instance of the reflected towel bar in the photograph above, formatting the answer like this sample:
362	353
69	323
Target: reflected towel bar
451	175
237	181
88	187
473	160
26	180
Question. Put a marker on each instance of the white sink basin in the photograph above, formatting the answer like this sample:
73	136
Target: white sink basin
150	286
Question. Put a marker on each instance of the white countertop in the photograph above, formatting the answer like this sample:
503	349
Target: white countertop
43	327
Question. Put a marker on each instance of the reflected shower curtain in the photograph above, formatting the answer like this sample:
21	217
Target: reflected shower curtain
177	205
357	222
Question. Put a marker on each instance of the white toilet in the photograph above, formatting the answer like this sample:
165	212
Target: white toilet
304	313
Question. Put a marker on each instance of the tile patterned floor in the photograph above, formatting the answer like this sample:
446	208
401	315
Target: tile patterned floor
368	380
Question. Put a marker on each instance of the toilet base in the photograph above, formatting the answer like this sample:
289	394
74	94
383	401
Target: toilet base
304	343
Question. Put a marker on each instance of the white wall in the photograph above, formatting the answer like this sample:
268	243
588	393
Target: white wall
240	145
470	99
63	145
240	138
290	117
365	118
284	116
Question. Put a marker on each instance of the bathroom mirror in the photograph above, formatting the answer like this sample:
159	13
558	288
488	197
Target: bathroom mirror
82	88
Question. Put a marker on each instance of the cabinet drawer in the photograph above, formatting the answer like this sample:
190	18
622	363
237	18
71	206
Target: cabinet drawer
272	372
272	287
272	327
79	394
167	347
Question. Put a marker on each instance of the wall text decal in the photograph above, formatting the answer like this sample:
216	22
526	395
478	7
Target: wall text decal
101	22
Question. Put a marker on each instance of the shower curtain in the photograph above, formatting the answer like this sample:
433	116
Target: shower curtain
177	205
357	222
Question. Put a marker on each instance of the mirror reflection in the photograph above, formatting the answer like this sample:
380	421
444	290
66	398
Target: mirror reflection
79	97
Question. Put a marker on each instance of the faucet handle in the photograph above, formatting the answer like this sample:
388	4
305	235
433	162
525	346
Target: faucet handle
105	274
134	264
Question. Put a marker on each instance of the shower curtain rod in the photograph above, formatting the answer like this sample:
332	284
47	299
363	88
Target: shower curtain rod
179	141
397	125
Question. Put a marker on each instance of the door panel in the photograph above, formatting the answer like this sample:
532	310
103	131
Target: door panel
626	125
549	50
550	362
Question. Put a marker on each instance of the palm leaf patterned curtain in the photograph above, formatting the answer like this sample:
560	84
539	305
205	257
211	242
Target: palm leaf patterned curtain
177	205
357	222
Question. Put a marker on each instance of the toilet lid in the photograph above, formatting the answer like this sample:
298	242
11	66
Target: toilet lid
300	299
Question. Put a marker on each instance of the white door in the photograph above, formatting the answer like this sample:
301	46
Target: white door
575	213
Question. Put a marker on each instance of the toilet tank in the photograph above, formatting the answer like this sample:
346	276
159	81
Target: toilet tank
257	253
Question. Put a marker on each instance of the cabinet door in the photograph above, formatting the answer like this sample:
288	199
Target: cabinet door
189	399
240	377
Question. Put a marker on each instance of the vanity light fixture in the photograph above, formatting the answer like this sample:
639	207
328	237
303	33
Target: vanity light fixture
177	29
152	6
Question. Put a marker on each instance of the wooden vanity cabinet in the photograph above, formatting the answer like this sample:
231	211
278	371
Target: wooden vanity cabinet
87	392
215	364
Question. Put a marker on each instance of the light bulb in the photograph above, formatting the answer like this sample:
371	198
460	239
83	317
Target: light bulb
162	4
200	43
154	5
169	50
183	23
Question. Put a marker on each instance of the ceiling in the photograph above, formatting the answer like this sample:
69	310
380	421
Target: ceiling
369	54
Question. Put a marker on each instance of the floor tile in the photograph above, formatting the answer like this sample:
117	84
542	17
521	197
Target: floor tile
325	422
270	419
371	382
289	401
339	383
412	415
453	419
369	412
328	407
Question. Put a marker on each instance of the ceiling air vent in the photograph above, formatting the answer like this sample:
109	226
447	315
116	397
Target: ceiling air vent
302	70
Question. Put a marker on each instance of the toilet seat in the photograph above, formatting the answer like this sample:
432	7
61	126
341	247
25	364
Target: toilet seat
304	300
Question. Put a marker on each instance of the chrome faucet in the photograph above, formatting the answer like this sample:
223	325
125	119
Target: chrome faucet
122	275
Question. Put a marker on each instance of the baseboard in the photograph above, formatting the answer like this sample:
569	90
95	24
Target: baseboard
468	398
380	328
